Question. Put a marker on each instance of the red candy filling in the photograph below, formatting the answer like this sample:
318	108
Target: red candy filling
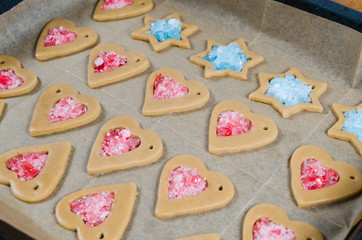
315	175
265	229
165	87
113	4
232	123
107	61
184	181
28	165
66	109
118	141
9	80
58	36
94	209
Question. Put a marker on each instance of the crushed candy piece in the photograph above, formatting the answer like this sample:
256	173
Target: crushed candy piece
107	61
118	141
165	87
58	36
289	90
227	57
315	175
27	165
265	229
9	80
165	29
184	181
114	4
232	123
353	122
94	208
66	109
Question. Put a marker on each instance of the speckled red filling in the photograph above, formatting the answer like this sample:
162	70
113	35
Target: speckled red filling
184	181
66	109
232	123
9	80
265	229
107	61
315	175
94	208
27	165
118	141
113	4
58	36
165	87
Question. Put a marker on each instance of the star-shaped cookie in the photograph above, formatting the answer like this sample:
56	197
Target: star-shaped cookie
336	130
253	59
187	30
314	106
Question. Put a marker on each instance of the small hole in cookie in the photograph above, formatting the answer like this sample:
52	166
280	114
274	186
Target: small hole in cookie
221	188
198	93
2	62
36	187
313	87
249	58
101	236
138	60
142	3
309	238
265	128
150	147
86	35
58	91
352	177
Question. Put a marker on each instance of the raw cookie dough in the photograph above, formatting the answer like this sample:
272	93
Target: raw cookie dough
197	95
41	186
210	236
40	124
86	37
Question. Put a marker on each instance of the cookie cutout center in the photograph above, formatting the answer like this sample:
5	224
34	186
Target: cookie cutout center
66	109
115	4
289	90
118	141
27	165
9	80
107	61
58	36
227	57
94	208
165	88
184	182
231	123
353	122
314	175
266	229
165	29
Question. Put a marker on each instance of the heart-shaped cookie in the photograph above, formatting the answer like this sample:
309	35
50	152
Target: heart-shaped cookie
264	130
197	95
138	7
348	184
29	77
210	236
302	230
43	184
40	124
116	222
149	150
218	193
86	37
136	63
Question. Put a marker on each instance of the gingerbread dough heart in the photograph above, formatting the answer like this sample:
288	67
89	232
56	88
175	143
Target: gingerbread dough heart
349	182
42	185
137	63
264	130
197	95
116	222
218	193
29	77
302	230
210	236
40	124
149	150
86	37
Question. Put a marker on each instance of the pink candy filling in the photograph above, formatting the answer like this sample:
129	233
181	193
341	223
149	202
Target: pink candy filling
58	36
165	87
66	109
315	175
232	123
113	4
94	209
118	141
265	229
9	80
184	181
28	165
108	61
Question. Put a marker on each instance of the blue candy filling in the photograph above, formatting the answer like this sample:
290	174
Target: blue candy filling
353	122
165	29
